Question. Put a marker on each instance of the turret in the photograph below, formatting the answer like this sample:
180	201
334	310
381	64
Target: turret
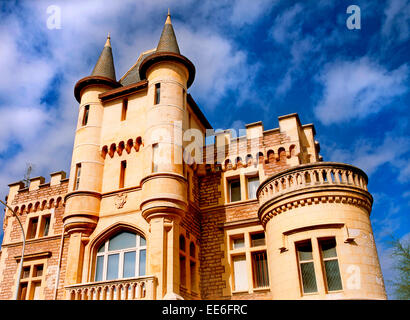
164	195
84	190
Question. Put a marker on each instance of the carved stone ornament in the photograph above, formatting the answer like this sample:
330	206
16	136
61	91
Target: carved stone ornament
120	200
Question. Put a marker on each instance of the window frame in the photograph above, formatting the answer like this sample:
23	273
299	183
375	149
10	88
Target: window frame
86	115
230	181
299	262
248	251
123	169
248	185
121	252
322	262
77	176
32	279
157	93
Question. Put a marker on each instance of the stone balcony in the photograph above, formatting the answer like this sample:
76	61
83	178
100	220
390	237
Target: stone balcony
141	288
312	183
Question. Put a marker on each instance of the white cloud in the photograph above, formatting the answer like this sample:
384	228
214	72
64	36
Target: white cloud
370	155
356	89
32	56
287	27
396	25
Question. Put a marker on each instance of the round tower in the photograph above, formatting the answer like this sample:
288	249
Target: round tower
319	236
164	195
82	202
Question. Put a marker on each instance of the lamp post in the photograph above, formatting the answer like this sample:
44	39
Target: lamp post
22	251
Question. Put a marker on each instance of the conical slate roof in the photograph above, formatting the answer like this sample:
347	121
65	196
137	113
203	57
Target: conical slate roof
168	41
105	64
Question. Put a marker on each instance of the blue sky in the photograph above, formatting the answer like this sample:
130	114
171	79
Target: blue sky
255	60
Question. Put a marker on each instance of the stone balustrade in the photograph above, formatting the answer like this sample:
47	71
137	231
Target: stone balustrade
141	288
319	176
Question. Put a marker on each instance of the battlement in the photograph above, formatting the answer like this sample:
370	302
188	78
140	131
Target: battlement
291	138
38	194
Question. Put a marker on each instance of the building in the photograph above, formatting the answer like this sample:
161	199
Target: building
150	211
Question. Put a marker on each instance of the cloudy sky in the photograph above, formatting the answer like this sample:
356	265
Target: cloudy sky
255	60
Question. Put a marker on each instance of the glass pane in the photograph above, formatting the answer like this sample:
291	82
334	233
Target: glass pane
235	190
328	248
129	264
23	291
308	277
143	242
192	250
238	243
38	271
102	248
123	240
305	251
142	262
239	267
182	243
99	268
36	290
112	268
46	226
260	269
257	239
26	272
253	184
334	282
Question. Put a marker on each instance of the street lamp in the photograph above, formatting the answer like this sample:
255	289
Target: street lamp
22	251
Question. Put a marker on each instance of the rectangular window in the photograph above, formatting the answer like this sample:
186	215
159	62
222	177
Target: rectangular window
124	109
330	264
30	287
77	176
155	150
253	184
306	267
240	275
85	115
122	173
235	190
193	275
182	270
32	228
45	226
260	269
157	93
258	239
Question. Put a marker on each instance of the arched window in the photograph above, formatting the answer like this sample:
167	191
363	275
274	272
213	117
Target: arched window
121	256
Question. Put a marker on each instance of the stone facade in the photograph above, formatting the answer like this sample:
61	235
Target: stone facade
140	167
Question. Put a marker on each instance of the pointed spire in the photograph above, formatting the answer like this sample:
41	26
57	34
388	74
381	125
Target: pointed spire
168	41
108	42
105	64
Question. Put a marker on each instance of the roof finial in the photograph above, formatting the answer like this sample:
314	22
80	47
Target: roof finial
168	21
108	42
